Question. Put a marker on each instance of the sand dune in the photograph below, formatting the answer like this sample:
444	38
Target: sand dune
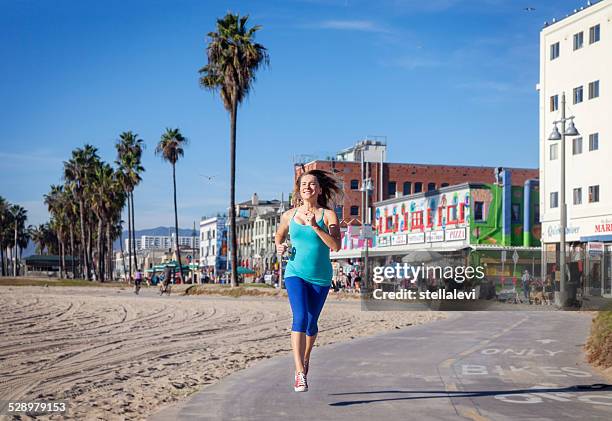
115	355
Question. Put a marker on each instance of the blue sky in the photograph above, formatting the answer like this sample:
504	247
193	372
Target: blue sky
447	81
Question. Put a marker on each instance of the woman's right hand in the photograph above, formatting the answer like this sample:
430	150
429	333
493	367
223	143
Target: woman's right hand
281	248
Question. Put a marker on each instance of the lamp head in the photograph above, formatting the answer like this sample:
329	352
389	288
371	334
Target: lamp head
555	135
571	129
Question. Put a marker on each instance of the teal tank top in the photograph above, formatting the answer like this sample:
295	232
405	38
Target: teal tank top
309	257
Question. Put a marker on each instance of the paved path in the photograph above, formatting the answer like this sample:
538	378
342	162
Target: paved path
475	366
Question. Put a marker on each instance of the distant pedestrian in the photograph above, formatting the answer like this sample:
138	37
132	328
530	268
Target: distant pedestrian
357	282
525	280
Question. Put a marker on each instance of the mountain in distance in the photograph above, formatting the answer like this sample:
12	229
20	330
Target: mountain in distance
159	231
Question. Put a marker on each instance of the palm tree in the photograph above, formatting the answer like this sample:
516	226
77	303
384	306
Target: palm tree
107	192
4	218
40	237
57	207
72	211
170	147
233	59
19	216
77	172
129	153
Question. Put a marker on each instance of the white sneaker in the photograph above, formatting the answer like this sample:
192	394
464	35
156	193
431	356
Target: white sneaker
300	383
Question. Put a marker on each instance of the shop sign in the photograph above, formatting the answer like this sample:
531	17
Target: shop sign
383	241
398	239
595	247
416	238
434	236
455	234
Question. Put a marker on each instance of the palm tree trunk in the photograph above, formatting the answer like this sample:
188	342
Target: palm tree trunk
232	210
134	233
15	252
122	253
178	249
2	259
85	267
129	238
100	251
62	259
109	252
72	251
62	256
89	247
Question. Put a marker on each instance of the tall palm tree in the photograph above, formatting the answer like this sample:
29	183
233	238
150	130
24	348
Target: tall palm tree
107	192
4	218
77	172
129	154
72	210
19	216
170	147
57	206
233	59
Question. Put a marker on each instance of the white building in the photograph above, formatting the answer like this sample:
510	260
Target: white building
575	59
213	245
162	242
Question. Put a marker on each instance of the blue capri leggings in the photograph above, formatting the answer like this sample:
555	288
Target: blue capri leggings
306	301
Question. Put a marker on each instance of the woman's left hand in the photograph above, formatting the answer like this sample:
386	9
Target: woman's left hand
311	220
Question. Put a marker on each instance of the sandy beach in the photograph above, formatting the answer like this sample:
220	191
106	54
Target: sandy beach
115	355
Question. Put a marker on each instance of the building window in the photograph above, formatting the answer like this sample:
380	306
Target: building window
554	51
593	194
354	210
554	200
593	141
554	103
578	40
516	213
407	189
431	186
479	211
418	187
578	95
577	145
594	34
578	196
444	185
339	211
554	151
594	89
392	188
354	184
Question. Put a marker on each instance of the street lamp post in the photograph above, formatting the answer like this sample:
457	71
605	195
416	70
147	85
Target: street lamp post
561	299
365	230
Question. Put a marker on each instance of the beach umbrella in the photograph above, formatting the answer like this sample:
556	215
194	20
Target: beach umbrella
421	256
245	271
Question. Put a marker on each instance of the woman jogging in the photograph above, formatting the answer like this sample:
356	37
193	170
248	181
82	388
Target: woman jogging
314	231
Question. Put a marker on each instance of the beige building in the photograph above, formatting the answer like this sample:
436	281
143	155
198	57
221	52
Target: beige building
575	59
256	224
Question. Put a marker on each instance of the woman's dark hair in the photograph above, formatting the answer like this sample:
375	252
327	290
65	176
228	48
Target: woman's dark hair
331	189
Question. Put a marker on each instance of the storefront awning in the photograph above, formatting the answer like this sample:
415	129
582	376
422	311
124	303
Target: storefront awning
396	250
500	247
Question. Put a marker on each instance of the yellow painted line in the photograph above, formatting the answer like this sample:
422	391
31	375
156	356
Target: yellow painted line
471	414
448	363
451	387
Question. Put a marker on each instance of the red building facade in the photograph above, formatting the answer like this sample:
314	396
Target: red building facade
401	179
